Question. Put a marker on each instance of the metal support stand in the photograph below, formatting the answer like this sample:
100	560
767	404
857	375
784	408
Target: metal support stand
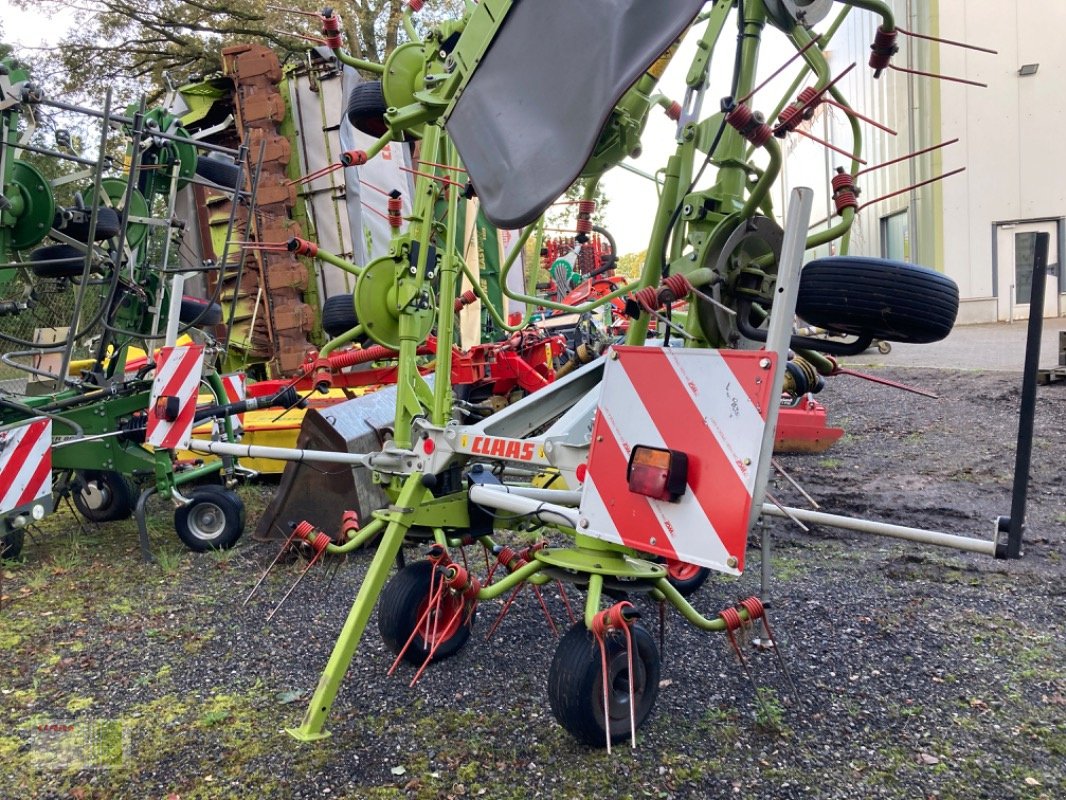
1014	525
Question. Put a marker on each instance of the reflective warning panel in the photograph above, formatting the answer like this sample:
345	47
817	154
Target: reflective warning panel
675	450
172	404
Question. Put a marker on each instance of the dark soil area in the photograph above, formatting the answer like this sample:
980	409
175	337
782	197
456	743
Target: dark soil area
919	672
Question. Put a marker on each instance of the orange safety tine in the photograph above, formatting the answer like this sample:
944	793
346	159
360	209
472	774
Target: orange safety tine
939	77
910	188
851	112
915	154
952	42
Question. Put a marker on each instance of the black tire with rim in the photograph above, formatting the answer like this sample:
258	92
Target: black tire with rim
219	172
338	314
196	311
889	300
57	261
575	683
103	496
11	544
685	577
107	225
213	519
207	488
402	606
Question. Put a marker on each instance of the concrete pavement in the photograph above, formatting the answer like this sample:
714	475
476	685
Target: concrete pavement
997	347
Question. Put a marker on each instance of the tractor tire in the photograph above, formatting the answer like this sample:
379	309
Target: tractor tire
366	109
107	225
57	261
402	607
338	315
575	683
11	544
219	172
104	496
213	519
199	312
685	577
888	300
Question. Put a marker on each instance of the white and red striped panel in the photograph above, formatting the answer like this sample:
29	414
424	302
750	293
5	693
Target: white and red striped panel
236	391
25	464
177	374
710	405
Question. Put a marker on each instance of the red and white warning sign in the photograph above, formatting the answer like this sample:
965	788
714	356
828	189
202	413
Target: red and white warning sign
696	418
172	403
25	464
236	390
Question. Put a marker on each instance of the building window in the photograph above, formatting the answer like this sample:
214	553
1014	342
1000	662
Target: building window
895	237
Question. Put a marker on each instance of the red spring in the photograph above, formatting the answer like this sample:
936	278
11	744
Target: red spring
788	120
674	111
395	209
585	210
438	556
415	5
748	125
331	29
302	247
511	559
320	542
303	530
322	374
845	195
753	605
466	298
882	50
349	521
459	580
647	297
353	158
808	97
678	286
732	620
616	617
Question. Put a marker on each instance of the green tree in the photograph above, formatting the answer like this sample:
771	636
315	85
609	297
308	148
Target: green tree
134	45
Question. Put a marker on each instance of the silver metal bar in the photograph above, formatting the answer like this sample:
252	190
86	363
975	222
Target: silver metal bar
369	460
937	538
503	500
564	497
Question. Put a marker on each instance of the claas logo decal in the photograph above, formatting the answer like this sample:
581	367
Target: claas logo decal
513	449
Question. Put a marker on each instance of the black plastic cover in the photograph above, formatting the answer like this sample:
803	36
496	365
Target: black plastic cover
529	116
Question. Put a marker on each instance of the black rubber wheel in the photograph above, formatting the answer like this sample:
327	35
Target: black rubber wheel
57	261
338	315
222	173
402	606
366	109
202	312
213	519
218	489
11	544
104	496
575	683
107	225
685	577
888	300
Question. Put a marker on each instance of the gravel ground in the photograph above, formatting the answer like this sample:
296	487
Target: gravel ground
919	672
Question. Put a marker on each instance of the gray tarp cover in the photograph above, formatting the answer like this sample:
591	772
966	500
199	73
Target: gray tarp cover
531	113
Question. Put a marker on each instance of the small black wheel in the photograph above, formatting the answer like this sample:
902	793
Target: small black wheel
889	300
403	604
199	312
11	544
575	683
208	488
685	577
211	520
366	108
884	348
107	225
338	314
103	496
222	173
57	261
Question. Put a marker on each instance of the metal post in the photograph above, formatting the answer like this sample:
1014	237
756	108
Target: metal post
1014	525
